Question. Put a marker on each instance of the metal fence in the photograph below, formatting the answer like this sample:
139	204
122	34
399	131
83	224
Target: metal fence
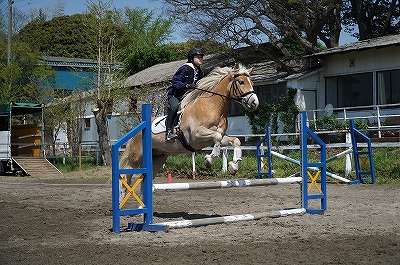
381	118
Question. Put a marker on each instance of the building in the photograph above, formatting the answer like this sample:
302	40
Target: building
357	80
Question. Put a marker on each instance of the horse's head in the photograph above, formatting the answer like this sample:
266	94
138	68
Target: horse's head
232	83
241	88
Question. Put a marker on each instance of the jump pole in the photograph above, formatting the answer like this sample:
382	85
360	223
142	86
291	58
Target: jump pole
229	219
225	184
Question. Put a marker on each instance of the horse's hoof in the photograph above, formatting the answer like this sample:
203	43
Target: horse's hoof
232	168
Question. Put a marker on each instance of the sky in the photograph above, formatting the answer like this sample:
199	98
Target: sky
79	6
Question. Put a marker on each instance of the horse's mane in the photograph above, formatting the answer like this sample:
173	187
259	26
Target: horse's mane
211	80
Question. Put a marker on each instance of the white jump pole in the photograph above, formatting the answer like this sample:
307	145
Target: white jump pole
337	156
225	184
231	218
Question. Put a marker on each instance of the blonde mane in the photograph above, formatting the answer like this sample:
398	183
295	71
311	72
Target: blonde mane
211	80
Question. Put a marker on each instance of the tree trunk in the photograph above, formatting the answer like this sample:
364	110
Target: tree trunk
100	116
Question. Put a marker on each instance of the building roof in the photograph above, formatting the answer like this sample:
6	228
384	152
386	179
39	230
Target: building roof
72	62
64	61
20	108
379	42
155	74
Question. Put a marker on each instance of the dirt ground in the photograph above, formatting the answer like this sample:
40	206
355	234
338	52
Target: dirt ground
68	221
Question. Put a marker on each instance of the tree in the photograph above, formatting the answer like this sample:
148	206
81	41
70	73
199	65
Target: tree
372	18
146	45
100	23
64	36
19	19
252	22
281	23
56	113
208	47
24	79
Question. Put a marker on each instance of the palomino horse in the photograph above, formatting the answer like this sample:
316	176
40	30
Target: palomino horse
203	121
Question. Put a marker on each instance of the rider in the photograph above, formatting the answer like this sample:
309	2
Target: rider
185	78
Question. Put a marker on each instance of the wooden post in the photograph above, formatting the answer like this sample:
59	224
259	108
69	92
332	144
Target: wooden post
80	157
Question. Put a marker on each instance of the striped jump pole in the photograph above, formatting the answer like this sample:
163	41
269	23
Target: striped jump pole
337	156
329	174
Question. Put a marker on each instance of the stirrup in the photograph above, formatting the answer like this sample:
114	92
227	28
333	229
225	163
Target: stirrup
169	136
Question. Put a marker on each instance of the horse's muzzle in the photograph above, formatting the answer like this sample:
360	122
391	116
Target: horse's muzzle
250	101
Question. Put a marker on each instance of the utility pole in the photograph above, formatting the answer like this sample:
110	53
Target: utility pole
10	2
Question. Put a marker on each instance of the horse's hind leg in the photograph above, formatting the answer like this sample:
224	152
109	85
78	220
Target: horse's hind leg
233	165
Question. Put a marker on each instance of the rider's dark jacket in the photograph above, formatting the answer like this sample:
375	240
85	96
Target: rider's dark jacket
186	74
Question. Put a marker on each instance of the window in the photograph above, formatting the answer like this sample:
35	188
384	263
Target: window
349	90
388	87
270	93
266	93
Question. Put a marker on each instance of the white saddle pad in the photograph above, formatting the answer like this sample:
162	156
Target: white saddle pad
158	125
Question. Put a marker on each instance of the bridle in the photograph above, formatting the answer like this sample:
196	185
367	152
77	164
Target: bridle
234	89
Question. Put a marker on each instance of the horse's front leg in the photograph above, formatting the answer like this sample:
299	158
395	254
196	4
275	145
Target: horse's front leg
233	165
214	134
215	153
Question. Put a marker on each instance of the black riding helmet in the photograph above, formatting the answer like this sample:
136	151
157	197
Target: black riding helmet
194	52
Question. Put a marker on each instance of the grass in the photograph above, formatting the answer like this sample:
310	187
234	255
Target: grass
386	164
72	163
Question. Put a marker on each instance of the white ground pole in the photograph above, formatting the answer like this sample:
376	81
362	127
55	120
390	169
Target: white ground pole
231	218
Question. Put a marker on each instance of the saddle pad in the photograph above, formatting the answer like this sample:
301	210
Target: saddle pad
158	125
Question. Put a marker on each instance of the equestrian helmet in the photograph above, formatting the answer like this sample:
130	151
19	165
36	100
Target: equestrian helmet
194	52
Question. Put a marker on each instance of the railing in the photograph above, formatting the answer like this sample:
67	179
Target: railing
380	117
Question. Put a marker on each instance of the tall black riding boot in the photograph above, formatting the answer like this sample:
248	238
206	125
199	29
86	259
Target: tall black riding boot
169	123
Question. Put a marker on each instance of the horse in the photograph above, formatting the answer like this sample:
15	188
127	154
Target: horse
203	121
